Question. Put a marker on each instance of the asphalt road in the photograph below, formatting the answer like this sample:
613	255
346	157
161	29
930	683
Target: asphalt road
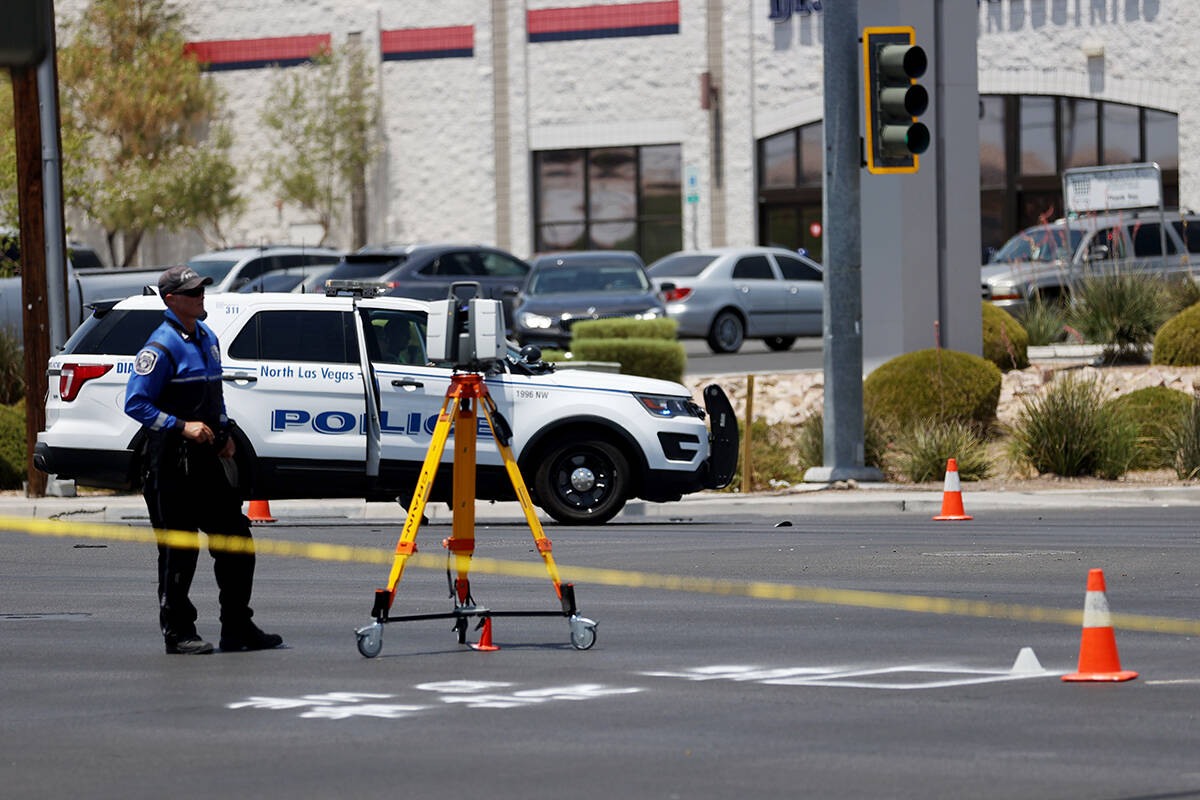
754	356
684	695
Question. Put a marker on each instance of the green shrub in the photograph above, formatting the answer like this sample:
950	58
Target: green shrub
810	443
1071	430
1178	341
1121	311
1155	410
624	328
1182	291
651	358
773	462
922	450
1184	441
1043	320
552	356
13	469
1005	342
932	384
12	369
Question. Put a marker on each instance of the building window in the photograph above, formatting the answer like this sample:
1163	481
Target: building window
790	171
610	198
1079	133
1037	136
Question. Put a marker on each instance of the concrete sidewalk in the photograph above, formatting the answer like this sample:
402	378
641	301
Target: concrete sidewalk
797	501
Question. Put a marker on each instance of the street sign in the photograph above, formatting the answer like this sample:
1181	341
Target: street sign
1112	188
693	185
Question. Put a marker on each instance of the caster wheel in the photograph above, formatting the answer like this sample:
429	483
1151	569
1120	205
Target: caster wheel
583	632
370	639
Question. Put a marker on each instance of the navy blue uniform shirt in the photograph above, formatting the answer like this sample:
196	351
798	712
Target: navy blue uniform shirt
176	378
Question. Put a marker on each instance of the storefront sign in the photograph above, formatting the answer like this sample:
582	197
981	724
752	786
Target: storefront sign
782	10
1112	188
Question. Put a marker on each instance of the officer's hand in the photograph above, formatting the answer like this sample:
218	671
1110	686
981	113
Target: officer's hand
227	450
197	432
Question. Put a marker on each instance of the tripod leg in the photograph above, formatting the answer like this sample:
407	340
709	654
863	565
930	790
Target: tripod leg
462	539
407	544
518	483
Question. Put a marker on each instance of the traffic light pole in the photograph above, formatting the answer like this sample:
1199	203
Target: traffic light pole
843	409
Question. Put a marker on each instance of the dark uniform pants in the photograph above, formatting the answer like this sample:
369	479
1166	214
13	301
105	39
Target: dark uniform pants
188	495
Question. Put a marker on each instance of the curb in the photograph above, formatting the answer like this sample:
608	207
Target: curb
801	501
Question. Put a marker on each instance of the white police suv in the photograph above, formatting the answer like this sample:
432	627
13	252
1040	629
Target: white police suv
295	384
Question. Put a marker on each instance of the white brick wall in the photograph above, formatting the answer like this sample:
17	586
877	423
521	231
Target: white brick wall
437	180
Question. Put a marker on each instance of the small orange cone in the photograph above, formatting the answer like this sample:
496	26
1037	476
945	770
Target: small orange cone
485	641
952	507
260	512
1098	660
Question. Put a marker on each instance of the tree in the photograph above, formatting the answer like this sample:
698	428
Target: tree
75	186
323	118
156	156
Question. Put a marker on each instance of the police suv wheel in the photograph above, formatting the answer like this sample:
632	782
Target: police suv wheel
582	481
727	333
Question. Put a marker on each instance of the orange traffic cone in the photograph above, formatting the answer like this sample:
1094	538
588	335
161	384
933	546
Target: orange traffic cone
952	507
1098	660
485	641
260	512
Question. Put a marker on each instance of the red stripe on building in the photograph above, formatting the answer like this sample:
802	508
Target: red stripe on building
628	15
418	40
282	48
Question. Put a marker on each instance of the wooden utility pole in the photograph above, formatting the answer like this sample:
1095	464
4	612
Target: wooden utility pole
34	314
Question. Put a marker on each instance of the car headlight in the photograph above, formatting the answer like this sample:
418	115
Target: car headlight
531	320
664	405
650	313
1005	290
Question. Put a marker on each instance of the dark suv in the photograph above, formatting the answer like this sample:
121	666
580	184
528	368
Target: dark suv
425	271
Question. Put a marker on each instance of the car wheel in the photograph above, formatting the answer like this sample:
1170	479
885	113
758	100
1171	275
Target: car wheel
727	333
582	481
780	343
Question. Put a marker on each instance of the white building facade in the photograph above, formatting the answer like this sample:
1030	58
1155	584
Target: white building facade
547	124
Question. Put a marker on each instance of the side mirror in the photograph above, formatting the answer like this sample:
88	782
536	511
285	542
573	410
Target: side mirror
531	354
1097	252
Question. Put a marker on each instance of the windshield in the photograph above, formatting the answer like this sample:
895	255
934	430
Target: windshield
680	266
1042	243
568	279
216	270
351	270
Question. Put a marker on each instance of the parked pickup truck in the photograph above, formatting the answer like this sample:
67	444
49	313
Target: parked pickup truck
1048	259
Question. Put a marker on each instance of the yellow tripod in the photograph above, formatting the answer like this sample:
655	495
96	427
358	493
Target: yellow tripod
466	393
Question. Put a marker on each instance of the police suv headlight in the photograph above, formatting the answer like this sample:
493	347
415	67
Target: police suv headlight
531	320
651	313
663	405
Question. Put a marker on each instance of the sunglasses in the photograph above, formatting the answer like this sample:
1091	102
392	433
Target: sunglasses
197	292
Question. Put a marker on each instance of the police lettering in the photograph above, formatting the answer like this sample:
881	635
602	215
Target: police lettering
339	422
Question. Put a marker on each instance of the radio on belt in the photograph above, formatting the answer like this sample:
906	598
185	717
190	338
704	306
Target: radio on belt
466	329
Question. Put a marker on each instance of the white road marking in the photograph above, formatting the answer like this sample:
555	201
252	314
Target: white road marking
856	677
471	694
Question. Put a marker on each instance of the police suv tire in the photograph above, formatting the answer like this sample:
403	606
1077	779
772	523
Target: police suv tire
727	333
582	481
779	344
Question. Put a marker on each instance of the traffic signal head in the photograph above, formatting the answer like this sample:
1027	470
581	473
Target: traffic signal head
894	99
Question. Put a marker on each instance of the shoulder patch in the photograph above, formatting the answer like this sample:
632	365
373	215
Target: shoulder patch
145	362
215	353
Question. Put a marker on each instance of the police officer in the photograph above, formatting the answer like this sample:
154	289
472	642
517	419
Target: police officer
175	392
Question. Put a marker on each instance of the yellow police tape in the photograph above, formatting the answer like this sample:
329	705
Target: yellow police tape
318	551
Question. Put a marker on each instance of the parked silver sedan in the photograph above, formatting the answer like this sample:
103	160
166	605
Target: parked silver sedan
729	294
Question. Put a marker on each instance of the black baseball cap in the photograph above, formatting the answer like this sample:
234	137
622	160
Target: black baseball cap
180	279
